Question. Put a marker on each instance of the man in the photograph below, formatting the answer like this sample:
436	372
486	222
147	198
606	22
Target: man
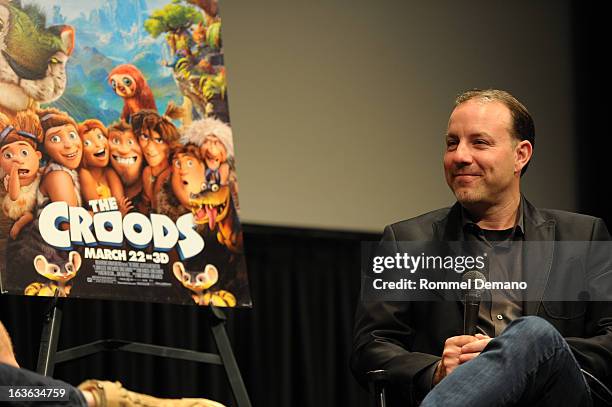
92	393
539	347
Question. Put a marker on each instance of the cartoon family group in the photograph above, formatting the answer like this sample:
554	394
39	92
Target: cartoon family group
142	160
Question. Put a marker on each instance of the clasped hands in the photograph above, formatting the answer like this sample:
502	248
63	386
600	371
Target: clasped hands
458	350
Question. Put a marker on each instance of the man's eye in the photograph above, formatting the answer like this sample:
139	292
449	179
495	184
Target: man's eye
73	136
115	141
100	136
56	139
87	143
144	137
159	141
131	142
177	164
8	155
24	153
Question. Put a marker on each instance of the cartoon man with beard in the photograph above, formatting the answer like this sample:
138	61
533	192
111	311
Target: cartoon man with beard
126	160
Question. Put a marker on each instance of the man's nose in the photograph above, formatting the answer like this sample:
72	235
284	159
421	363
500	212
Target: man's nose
462	155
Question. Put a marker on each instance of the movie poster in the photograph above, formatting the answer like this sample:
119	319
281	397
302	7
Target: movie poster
116	153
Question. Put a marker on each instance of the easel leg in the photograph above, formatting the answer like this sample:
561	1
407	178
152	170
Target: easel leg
49	339
227	357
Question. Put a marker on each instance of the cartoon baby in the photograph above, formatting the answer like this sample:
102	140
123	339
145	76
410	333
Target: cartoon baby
20	161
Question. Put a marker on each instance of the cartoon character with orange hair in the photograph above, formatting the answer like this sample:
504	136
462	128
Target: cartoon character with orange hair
98	179
128	82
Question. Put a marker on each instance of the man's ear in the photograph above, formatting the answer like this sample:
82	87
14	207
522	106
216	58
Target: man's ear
523	152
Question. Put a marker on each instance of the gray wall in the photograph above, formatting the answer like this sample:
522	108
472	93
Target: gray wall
339	107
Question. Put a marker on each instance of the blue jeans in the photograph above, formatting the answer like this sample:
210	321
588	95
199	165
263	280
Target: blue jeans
12	376
529	364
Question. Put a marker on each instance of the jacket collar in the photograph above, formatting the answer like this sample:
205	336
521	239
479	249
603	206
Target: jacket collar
538	254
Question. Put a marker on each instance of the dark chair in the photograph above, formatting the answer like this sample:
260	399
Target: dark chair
378	382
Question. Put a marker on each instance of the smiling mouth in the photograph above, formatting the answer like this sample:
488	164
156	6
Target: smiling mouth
71	156
125	160
100	153
23	172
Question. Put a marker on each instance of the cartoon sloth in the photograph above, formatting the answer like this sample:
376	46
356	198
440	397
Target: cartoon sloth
59	276
200	284
129	83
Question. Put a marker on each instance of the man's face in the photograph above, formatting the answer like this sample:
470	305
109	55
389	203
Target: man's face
155	149
480	161
126	156
213	151
95	149
22	155
63	145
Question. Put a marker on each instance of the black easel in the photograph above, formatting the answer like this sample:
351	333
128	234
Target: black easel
49	356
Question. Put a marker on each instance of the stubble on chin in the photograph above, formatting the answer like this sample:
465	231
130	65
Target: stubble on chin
467	196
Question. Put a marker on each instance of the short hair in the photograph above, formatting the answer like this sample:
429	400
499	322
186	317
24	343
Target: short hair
523	127
90	124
